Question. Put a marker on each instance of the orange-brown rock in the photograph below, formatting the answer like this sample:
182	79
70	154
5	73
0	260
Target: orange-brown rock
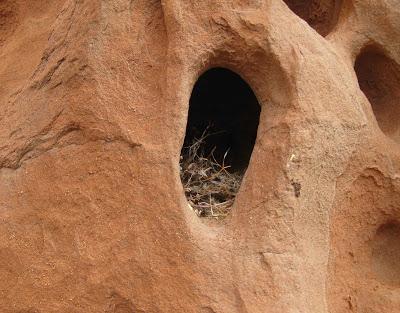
94	98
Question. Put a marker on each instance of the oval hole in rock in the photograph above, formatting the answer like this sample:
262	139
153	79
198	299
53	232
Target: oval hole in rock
386	253
379	79
322	15
220	134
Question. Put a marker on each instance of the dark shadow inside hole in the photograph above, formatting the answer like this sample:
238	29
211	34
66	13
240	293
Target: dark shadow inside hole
379	79
322	15
386	253
225	104
223	120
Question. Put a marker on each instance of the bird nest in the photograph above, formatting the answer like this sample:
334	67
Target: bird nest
210	187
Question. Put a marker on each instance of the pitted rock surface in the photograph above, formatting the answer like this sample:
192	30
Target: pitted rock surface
94	99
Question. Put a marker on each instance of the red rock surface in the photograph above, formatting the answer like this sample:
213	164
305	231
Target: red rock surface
93	107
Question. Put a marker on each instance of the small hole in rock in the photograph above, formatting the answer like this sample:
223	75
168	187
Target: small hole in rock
386	253
8	19
379	79
322	15
220	135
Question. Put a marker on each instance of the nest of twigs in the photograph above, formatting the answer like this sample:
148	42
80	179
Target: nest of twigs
210	187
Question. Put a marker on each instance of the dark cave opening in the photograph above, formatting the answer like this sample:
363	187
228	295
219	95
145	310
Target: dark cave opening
220	135
224	106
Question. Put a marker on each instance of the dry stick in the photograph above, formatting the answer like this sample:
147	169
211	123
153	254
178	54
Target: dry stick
223	167
193	170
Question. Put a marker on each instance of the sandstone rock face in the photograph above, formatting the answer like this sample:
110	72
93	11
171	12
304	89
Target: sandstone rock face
94	100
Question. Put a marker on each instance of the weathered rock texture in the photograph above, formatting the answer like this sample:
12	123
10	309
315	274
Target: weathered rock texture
93	107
